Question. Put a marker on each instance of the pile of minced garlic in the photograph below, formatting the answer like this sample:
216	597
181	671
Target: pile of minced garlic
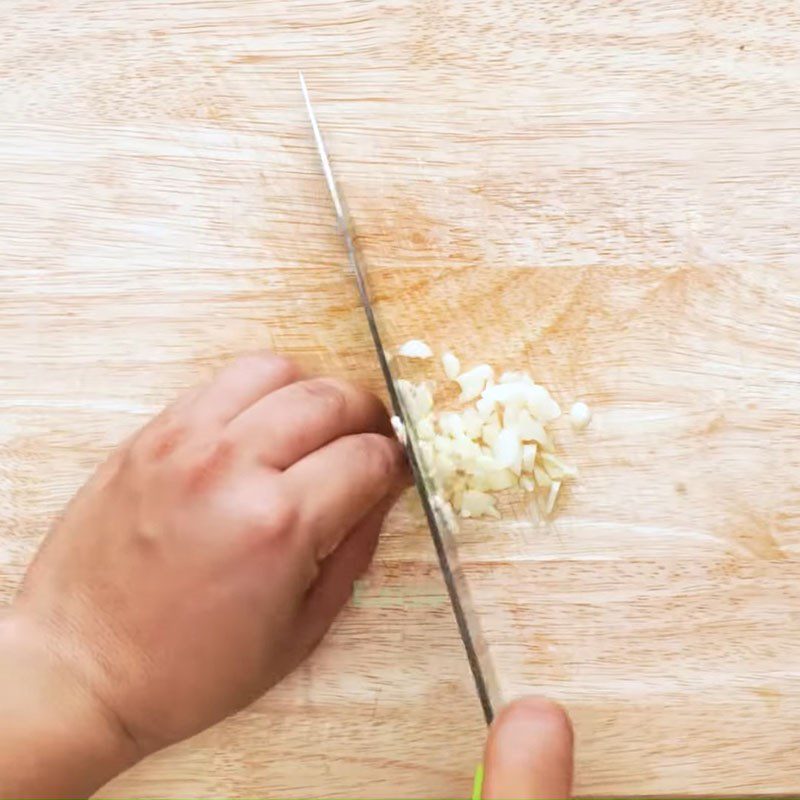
498	439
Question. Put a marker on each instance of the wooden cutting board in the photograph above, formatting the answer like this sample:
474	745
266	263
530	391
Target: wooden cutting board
604	192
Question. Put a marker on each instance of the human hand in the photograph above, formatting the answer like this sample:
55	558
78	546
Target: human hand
529	752
208	556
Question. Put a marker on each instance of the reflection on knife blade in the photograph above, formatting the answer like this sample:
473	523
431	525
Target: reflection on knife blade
438	521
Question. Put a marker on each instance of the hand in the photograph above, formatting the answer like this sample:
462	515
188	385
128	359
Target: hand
529	752
208	556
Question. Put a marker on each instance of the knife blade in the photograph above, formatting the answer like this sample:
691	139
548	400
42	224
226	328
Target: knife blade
440	527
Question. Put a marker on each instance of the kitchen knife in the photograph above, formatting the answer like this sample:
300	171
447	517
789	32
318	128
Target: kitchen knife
439	521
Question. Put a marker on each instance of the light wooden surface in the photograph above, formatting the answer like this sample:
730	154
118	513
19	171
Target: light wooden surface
605	191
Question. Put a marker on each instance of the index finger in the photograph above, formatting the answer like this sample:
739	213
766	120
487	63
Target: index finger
236	387
242	383
304	416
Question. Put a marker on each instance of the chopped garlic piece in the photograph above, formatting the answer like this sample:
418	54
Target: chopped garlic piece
556	468
541	404
426	455
579	415
415	348
479	464
507	393
445	512
490	432
515	377
424	400
531	430
466	450
425	429
485	408
540	476
451	425
480	483
442	444
527	484
472	383
528	457
552	497
476	504
399	430
507	448
418	399
452	366
443	468
500	479
472	423
511	415
405	389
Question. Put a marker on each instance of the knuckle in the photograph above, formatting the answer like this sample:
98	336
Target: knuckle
330	393
285	368
272	521
200	468
159	438
381	453
118	465
164	438
137	454
280	515
268	366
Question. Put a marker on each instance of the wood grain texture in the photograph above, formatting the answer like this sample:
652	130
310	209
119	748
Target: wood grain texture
605	191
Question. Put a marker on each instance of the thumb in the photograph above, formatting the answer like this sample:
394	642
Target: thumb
529	752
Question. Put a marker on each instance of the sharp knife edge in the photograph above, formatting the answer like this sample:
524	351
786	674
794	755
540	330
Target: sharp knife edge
443	540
